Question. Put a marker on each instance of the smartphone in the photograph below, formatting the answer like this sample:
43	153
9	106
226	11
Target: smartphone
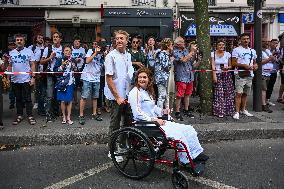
222	66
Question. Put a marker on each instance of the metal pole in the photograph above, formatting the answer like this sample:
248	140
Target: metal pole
257	46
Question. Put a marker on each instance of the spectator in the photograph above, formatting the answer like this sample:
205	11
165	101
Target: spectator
137	56
150	51
78	54
244	58
163	65
22	60
184	77
40	80
273	74
267	66
119	72
281	68
91	81
50	55
3	67
65	84
223	98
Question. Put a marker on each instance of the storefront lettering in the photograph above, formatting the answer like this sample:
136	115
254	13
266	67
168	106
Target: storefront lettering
118	13
213	19
142	12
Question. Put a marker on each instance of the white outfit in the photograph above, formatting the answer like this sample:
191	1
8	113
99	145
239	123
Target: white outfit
58	52
79	53
244	56
92	71
144	108
221	60
119	66
37	55
20	61
266	68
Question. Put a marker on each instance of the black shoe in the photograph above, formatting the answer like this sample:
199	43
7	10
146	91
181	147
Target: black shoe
188	114
201	158
178	116
12	106
265	108
49	119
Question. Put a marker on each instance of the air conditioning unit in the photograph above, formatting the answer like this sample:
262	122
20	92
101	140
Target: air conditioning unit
76	20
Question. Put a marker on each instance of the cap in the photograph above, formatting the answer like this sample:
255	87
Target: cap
281	36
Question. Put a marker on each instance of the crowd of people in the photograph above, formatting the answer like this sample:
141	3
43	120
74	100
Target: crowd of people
57	73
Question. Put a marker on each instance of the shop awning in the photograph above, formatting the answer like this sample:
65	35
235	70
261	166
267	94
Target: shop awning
215	30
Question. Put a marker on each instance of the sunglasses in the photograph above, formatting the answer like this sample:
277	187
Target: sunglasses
19	40
135	42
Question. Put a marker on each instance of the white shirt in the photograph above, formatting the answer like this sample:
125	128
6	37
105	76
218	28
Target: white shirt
266	68
142	105
244	56
58	52
79	53
119	66
92	70
221	60
37	55
20	61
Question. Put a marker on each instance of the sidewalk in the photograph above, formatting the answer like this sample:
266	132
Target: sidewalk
262	125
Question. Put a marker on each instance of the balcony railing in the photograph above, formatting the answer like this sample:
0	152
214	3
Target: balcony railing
150	3
212	2
9	2
72	2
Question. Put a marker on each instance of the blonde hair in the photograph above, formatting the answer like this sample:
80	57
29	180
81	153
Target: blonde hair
165	43
178	40
121	32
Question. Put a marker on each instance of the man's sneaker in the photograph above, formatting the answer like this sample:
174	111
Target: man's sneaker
178	116
35	106
270	103
118	159
82	120
245	112
49	119
188	114
236	115
265	108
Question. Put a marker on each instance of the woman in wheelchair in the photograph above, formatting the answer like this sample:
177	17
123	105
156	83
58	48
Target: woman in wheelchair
141	99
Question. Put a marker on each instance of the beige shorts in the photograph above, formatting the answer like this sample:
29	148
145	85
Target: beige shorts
243	85
264	84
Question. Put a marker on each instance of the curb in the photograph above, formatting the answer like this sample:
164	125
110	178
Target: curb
205	136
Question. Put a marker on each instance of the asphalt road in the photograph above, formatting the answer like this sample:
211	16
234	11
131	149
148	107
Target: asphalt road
255	164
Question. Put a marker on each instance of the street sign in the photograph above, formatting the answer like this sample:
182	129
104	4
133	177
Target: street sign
177	23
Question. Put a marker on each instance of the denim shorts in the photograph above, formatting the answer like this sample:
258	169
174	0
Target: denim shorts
90	89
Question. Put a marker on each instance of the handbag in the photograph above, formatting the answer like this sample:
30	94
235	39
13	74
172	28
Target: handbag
245	73
5	83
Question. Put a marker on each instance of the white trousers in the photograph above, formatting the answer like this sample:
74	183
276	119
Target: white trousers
186	134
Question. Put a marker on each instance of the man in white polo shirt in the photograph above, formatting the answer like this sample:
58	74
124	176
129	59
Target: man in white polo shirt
22	60
244	58
118	72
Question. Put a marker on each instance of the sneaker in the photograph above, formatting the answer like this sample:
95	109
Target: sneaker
236	115
188	114
270	103
265	108
97	117
82	120
118	159
35	106
245	112
12	106
49	119
178	116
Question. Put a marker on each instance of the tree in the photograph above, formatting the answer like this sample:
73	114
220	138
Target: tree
203	41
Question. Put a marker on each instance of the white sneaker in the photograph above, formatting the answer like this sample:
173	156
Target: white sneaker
35	106
119	159
270	103
236	115
245	112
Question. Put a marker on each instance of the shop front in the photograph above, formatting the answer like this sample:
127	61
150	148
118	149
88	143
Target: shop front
225	26
25	21
136	21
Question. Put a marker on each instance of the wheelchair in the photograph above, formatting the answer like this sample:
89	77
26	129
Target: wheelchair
141	145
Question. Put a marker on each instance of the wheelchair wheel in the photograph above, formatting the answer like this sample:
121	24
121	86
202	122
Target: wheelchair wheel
179	180
132	152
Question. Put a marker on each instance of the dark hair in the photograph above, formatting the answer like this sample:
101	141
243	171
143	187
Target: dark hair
245	34
35	37
59	34
19	35
150	87
76	37
220	40
273	40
